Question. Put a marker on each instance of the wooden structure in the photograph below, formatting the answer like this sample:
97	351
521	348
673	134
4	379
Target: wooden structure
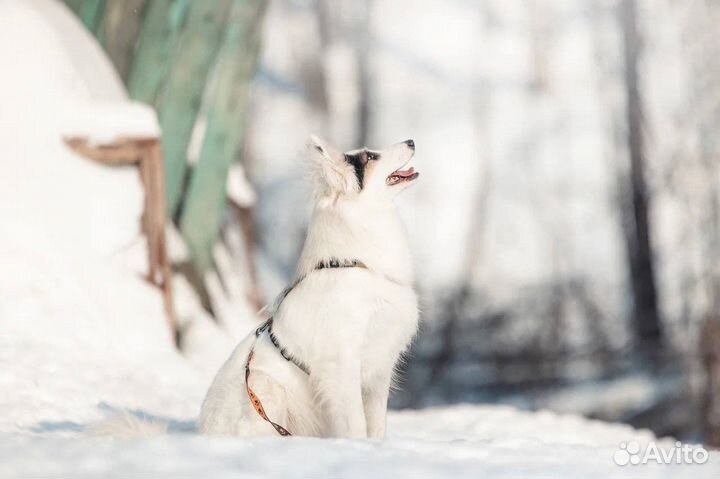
147	153
189	60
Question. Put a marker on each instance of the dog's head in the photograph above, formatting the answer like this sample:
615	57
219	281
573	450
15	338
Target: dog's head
362	172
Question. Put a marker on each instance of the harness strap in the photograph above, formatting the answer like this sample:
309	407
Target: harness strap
267	326
255	400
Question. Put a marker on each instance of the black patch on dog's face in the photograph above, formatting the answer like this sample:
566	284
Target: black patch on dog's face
359	161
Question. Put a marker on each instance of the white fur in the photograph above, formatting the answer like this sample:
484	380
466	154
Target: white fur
349	325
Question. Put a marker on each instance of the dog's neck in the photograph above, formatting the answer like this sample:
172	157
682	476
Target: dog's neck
361	230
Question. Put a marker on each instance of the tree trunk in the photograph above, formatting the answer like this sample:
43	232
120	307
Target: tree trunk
710	348
637	224
362	45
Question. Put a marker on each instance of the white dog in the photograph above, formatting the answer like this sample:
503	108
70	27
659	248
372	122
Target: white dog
323	365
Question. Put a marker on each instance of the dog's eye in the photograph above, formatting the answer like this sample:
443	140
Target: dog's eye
372	156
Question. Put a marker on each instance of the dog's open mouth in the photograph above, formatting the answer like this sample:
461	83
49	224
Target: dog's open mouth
400	176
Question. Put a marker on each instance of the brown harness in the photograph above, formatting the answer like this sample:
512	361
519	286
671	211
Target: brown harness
255	400
267	326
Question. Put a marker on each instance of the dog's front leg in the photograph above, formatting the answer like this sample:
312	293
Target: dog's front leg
339	386
375	400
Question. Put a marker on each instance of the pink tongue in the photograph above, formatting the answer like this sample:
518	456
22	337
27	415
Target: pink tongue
404	173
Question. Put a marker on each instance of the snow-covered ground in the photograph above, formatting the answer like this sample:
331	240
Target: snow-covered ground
465	441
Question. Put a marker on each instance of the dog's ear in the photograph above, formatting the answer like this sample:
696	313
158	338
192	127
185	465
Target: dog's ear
323	151
333	170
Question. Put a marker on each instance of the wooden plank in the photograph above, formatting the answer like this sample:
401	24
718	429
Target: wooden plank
180	96
159	34
119	152
89	11
147	152
119	30
161	272
205	203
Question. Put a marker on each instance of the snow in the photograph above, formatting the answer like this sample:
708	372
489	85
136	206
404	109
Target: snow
103	123
100	353
239	188
615	398
458	442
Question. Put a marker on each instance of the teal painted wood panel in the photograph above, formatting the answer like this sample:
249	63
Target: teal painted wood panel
205	204
181	93
156	44
119	30
90	12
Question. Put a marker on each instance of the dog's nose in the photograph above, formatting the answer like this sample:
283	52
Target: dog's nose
410	143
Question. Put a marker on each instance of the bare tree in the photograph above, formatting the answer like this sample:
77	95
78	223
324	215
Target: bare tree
638	201
344	27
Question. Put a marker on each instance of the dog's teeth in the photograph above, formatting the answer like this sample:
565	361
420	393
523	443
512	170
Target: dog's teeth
394	179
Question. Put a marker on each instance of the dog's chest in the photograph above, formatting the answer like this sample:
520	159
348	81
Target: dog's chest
390	329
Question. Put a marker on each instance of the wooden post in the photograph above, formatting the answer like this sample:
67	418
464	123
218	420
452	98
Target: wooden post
205	204
118	32
159	34
90	12
147	154
165	50
180	96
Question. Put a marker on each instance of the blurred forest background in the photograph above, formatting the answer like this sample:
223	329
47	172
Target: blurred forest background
566	230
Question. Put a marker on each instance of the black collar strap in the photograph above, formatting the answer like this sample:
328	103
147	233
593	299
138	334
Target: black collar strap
336	263
324	264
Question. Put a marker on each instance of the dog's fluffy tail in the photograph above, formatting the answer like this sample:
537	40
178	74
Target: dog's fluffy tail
126	425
